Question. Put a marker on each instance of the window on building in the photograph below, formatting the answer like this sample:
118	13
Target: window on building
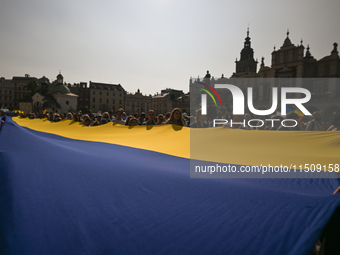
120	101
67	102
107	101
113	101
100	93
107	93
120	94
100	100
93	100
113	94
94	92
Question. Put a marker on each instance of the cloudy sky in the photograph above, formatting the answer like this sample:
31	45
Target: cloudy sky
153	44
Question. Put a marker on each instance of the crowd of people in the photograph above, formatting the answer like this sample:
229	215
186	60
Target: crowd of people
292	120
175	117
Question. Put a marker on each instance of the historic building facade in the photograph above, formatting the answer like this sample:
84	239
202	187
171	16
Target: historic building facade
137	103
83	93
105	96
289	61
20	91
58	98
169	99
6	94
292	61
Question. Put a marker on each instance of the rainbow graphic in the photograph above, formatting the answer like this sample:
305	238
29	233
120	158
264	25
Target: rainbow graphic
209	93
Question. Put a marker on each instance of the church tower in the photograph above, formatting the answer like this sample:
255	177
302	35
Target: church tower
60	79
247	63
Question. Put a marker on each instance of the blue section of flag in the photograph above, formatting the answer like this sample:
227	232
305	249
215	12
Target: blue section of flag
65	196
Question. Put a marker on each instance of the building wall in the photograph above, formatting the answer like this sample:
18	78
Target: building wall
19	89
13	91
66	102
6	94
84	96
106	96
137	103
25	107
160	104
83	93
37	102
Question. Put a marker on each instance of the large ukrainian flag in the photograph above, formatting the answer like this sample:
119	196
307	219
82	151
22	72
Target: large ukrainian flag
70	189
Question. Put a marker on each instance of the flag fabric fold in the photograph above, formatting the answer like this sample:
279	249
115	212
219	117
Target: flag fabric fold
61	195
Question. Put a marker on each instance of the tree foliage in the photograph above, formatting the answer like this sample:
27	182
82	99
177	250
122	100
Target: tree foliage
33	87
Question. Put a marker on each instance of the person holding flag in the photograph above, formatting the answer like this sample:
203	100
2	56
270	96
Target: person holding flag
316	123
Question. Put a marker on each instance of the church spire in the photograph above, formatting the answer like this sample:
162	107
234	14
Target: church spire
247	52
247	63
287	41
308	54
247	40
335	49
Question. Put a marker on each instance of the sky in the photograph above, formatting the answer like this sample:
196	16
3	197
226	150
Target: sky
154	44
